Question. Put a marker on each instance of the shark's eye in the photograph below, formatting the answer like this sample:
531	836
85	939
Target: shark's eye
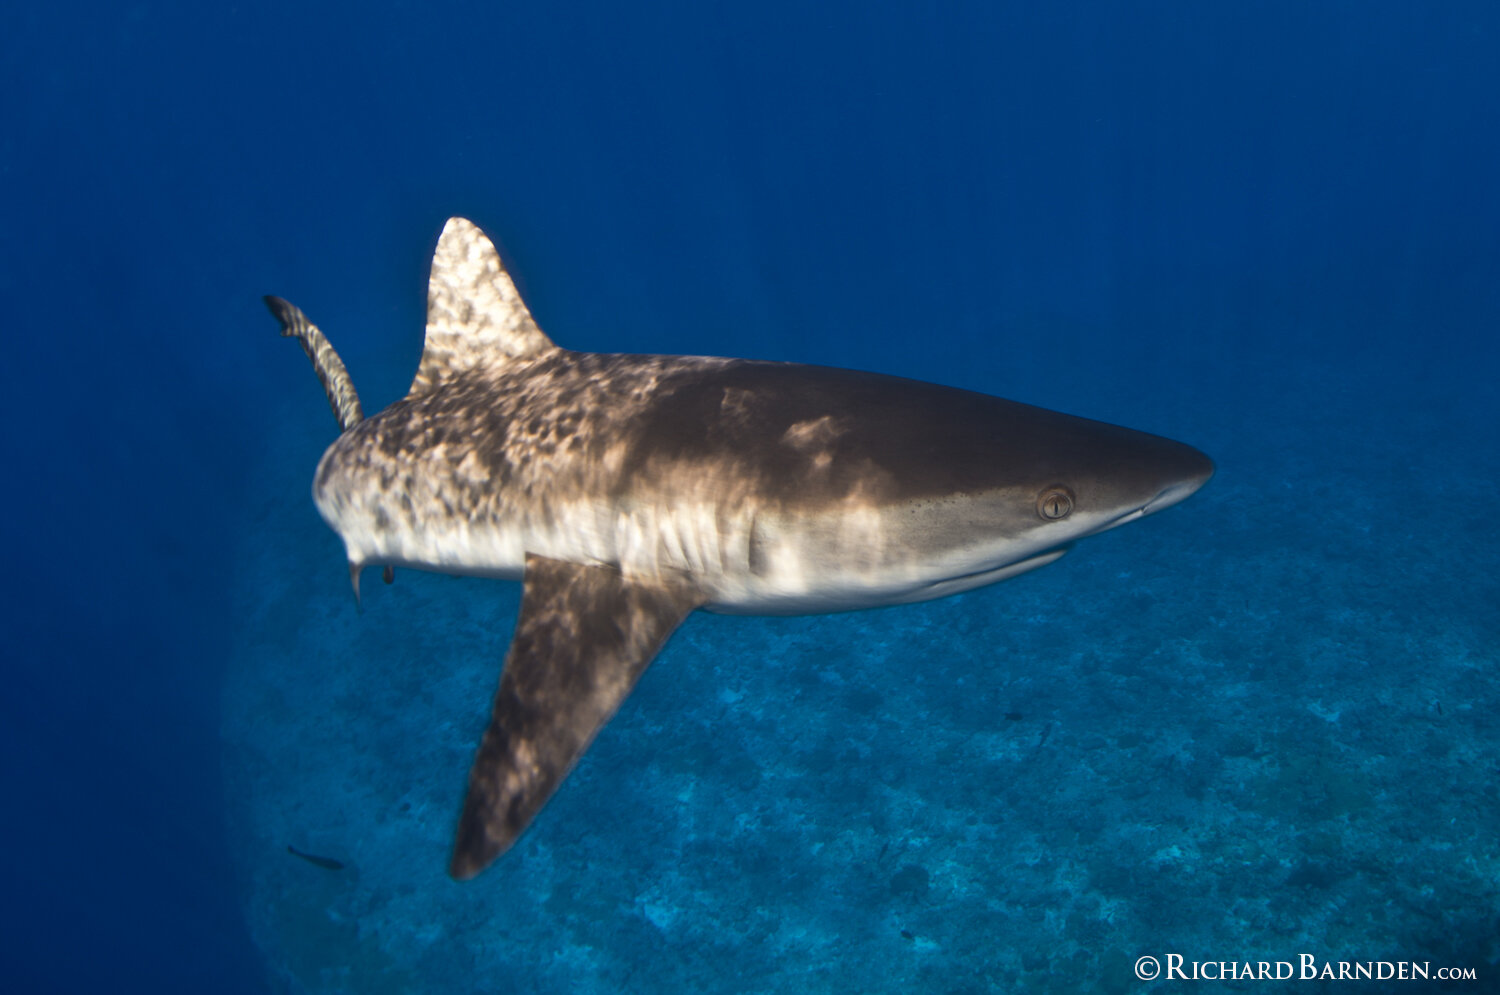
1055	503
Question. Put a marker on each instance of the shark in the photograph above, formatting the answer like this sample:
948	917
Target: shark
625	492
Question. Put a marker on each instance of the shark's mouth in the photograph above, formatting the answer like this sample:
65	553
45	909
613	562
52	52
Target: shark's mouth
1172	495
1168	497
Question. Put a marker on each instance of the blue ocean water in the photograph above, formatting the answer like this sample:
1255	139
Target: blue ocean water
1257	727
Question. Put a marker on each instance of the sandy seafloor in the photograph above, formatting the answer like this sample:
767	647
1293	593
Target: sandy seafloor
1260	725
1257	726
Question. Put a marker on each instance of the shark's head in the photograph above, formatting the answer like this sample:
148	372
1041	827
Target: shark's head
1011	489
1096	477
1068	478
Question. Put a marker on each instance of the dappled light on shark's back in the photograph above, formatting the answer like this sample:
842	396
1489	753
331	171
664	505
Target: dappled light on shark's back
627	491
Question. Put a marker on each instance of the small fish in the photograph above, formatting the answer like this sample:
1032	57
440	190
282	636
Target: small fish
327	863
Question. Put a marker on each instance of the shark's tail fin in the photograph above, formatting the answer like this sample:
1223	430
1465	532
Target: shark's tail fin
330	369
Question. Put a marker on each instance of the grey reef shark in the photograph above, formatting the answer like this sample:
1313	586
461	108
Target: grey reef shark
626	491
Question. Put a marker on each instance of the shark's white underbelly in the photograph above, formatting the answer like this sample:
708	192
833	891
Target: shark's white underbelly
745	561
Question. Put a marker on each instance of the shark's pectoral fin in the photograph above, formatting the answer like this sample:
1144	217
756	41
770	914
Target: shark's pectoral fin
584	636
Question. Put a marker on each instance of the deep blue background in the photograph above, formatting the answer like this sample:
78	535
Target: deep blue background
1065	200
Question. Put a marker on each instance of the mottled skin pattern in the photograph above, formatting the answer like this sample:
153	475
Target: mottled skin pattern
761	480
626	491
507	448
474	313
584	637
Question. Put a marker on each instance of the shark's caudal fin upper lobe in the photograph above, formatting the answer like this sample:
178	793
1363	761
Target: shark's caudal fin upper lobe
584	636
326	362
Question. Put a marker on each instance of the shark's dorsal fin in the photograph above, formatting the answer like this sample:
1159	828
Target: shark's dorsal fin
475	316
585	634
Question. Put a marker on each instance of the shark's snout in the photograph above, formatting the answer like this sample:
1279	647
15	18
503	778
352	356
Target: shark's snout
1160	473
1195	470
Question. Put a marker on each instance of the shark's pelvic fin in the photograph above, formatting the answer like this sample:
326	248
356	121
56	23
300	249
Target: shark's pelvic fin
475	315
330	369
584	636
